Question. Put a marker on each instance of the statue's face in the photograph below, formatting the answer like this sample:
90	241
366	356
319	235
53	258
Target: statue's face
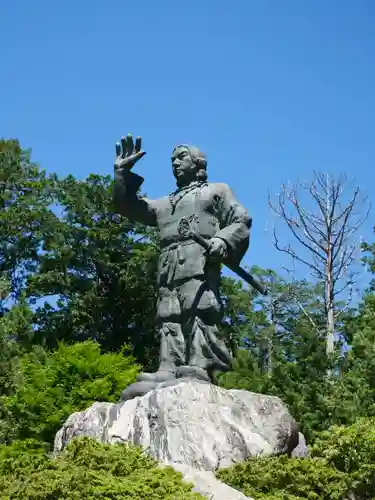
184	168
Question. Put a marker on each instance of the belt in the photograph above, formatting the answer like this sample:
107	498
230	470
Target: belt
173	255
176	244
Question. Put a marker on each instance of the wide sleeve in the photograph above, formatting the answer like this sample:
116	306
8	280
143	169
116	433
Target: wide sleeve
128	203
235	224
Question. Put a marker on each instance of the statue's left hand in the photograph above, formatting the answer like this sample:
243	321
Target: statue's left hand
218	249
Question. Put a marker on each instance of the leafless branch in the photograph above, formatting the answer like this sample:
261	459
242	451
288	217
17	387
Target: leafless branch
325	233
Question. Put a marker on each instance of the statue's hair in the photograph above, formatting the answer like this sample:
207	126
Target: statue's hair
198	158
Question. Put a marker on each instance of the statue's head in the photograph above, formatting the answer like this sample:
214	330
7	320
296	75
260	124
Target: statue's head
189	164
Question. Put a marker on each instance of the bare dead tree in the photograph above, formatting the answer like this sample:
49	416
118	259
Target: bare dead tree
325	235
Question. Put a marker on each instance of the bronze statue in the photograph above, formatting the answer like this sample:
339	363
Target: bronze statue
201	224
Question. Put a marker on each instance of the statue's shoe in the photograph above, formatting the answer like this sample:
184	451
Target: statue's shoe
137	389
192	372
162	379
157	377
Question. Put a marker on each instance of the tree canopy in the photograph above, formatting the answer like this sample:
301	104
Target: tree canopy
77	307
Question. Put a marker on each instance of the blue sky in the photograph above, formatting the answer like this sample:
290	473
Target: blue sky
269	89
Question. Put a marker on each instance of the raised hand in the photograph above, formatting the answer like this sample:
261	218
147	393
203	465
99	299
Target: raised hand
128	153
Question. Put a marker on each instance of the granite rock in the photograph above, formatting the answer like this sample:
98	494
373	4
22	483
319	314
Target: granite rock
194	426
191	423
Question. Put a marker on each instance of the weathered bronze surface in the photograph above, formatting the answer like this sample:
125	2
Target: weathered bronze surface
201	224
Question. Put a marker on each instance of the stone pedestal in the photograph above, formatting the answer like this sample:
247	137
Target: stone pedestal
192	425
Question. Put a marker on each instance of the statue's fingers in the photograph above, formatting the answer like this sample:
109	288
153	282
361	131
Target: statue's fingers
138	144
124	146
130	144
139	155
118	149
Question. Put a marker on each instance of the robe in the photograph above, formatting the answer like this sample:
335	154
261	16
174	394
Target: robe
188	307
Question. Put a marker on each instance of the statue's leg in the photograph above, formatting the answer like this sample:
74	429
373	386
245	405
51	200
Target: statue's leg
172	353
207	350
201	310
172	341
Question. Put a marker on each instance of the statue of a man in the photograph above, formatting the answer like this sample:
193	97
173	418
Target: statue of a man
188	304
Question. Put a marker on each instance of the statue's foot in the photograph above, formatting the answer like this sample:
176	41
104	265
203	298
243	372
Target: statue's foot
147	382
157	377
137	389
193	372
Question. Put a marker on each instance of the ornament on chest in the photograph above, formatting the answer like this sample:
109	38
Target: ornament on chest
184	200
191	204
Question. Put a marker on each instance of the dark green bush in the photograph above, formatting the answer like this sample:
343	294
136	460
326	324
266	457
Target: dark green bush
51	386
276	478
351	449
342	466
87	470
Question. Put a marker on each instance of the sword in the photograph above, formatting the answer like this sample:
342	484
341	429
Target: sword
185	230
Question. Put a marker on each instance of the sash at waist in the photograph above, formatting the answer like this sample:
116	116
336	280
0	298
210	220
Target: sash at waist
180	260
164	246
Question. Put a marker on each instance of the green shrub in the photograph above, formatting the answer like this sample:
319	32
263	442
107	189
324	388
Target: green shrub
351	449
53	385
279	478
87	470
342	466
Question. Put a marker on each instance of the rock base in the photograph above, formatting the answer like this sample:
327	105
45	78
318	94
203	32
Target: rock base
192	426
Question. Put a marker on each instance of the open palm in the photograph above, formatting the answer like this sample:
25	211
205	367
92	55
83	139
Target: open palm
128	153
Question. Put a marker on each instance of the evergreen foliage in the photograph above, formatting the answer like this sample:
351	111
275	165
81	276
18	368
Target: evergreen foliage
341	466
77	307
51	386
286	479
87	470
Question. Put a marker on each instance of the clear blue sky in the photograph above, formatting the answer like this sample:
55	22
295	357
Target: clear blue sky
270	90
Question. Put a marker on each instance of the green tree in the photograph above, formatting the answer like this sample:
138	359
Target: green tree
354	391
354	394
16	334
51	386
101	270
25	218
26	193
282	348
